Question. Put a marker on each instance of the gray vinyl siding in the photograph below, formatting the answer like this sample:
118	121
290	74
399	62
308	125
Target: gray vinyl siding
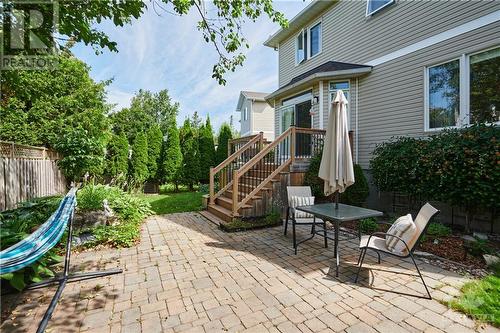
349	36
391	97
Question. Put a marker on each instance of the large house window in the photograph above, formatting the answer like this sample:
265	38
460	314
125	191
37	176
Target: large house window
444	94
345	86
301	47
485	86
463	91
315	40
373	6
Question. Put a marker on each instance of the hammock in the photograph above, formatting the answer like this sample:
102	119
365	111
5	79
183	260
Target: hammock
33	247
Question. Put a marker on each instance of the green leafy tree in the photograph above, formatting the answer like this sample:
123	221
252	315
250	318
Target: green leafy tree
139	160
190	155
155	139
207	150
82	154
172	157
117	156
39	107
225	134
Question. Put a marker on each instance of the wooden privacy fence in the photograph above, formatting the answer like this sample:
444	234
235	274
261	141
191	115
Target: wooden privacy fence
28	172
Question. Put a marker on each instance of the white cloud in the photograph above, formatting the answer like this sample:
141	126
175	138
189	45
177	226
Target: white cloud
168	52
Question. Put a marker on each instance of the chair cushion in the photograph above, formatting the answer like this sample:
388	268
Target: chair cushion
375	243
296	201
406	230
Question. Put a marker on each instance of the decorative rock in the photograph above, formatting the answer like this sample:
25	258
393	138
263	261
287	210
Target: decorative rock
83	238
480	235
490	259
423	254
436	241
469	239
91	219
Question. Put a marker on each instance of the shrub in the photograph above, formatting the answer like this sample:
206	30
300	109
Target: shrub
479	247
171	156
207	150
155	140
438	230
368	226
311	177
225	134
16	225
130	211
117	156
460	167
357	193
190	155
139	161
81	154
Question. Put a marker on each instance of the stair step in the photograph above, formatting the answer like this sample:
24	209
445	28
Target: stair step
227	203
229	194
259	179
252	186
221	212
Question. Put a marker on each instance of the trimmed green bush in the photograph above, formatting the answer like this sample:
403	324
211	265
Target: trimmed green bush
459	166
139	160
311	177
225	134
171	156
357	193
368	226
207	150
155	140
190	155
117	156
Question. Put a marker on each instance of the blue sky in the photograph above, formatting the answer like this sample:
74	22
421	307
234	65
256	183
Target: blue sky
168	52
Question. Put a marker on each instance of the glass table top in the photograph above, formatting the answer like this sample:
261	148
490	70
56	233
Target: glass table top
344	213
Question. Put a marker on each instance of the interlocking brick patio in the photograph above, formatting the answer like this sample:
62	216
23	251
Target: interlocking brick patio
188	276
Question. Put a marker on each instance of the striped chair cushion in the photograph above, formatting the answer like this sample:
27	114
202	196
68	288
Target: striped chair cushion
301	201
404	228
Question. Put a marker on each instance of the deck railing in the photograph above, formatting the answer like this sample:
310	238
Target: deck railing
294	143
221	176
236	144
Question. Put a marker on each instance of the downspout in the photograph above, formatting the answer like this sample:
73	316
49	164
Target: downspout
321	104
250	117
356	134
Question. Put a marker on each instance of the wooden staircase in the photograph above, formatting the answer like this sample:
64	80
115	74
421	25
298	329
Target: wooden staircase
248	182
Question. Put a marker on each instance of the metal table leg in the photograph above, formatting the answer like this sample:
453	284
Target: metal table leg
336	251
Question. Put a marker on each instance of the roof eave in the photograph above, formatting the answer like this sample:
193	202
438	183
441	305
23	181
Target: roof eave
350	73
302	18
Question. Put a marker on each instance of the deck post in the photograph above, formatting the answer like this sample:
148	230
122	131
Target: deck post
292	143
235	192
211	186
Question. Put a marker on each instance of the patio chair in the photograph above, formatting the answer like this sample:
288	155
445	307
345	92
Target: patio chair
306	219
378	244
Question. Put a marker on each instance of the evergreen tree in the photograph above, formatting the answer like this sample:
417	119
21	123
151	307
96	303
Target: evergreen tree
155	138
207	150
225	134
117	156
171	156
139	160
190	155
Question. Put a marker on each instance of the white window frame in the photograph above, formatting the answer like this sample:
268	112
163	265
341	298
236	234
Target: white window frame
292	102
464	72
349	106
320	40
367	14
304	46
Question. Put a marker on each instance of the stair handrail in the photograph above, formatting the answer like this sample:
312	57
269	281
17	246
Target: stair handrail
256	159
213	171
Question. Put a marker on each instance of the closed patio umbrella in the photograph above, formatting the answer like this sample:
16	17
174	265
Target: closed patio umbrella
336	167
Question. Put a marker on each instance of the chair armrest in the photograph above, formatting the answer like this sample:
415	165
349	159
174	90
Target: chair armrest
386	234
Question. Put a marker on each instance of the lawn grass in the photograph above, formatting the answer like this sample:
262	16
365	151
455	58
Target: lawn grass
480	299
174	202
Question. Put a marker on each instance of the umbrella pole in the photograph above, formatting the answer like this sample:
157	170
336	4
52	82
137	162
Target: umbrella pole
337	200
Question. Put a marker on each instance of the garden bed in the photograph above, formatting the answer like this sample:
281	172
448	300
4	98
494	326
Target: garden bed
446	248
269	221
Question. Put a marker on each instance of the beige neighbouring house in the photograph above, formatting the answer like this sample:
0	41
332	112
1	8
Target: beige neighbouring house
256	115
408	67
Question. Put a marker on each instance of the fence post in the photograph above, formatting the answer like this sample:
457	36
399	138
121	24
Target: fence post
211	186
261	141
